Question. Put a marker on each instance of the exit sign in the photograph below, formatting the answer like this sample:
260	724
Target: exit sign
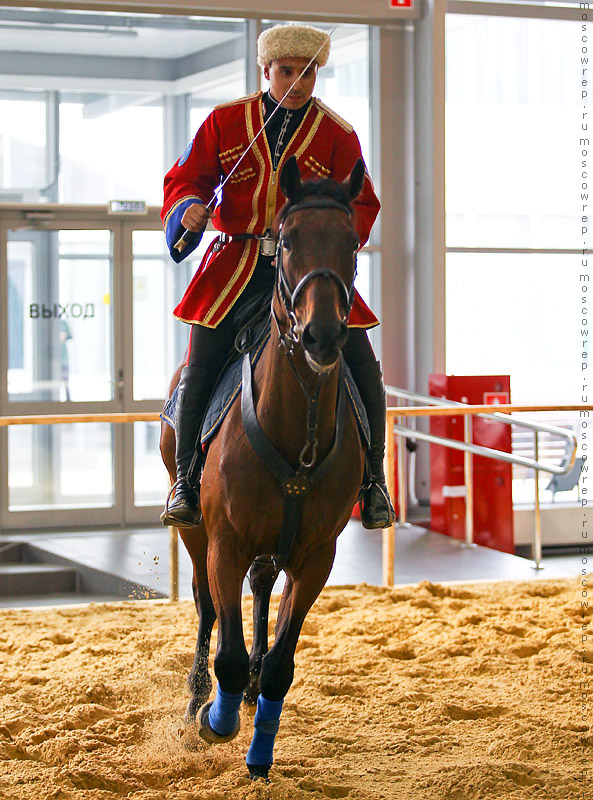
400	3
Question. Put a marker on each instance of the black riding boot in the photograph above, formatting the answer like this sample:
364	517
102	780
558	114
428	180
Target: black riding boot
183	510
376	510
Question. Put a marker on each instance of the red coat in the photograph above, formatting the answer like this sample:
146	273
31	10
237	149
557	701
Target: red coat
325	146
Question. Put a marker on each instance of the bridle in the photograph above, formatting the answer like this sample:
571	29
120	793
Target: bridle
289	298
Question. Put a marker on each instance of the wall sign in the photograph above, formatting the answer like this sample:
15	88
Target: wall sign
127	207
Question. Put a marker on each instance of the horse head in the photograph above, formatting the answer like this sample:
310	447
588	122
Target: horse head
316	262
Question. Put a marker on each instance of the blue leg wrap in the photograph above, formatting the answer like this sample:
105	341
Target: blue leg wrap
266	724
223	712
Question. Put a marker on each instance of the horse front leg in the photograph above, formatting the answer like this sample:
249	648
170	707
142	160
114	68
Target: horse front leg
199	680
277	670
218	721
262	577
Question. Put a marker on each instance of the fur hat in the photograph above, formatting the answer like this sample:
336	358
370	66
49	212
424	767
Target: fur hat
292	41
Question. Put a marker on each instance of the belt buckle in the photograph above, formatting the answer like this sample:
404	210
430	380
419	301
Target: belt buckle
267	246
221	242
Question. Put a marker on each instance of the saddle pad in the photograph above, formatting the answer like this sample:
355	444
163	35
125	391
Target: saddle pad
225	392
229	387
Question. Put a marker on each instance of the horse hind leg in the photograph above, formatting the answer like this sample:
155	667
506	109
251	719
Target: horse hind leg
199	680
262	577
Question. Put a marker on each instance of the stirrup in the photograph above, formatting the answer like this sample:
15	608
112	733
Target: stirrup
178	518
377	517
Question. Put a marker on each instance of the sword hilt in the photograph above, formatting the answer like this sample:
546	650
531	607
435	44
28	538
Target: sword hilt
183	240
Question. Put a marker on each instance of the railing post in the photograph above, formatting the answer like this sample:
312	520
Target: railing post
537	531
173	565
468	468
401	476
402	498
389	533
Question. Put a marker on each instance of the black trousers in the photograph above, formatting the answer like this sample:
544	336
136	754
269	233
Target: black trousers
210	347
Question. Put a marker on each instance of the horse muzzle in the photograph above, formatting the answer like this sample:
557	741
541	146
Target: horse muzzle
323	343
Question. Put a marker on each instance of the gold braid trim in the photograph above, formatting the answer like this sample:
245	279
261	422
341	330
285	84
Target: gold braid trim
313	164
225	292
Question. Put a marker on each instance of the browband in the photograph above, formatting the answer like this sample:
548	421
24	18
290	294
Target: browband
316	201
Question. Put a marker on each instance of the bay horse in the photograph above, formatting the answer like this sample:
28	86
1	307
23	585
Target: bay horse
296	394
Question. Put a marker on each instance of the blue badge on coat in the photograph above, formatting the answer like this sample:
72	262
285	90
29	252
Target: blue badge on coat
186	154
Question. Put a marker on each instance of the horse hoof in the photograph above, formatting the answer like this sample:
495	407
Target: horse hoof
257	771
207	733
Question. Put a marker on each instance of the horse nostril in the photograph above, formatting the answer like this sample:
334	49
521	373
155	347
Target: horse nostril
310	342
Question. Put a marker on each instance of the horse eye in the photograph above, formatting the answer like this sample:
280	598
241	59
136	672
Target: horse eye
285	244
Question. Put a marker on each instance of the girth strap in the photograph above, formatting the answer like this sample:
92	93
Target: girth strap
295	484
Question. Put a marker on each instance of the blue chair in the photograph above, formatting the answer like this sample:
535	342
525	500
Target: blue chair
566	482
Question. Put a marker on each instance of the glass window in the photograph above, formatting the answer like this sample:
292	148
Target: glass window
22	141
64	466
343	84
510	100
111	148
60	316
516	314
363	276
217	81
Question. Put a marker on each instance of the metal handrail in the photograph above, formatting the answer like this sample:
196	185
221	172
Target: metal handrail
489	452
438	406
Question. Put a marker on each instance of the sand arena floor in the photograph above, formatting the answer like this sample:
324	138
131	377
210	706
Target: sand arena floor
419	693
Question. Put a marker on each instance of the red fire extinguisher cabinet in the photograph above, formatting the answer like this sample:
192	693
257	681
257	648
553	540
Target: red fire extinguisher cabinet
492	481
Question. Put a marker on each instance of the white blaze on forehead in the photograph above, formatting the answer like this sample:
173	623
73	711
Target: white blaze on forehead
293	41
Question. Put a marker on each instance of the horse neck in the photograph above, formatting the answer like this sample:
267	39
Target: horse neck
282	405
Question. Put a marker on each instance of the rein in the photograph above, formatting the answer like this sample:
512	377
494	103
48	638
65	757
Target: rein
296	484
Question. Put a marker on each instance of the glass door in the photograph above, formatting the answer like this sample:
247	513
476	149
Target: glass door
61	357
86	327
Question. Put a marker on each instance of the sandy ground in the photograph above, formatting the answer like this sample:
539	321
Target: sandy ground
419	693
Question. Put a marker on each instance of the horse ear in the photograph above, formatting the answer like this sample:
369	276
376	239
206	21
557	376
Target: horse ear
290	178
354	182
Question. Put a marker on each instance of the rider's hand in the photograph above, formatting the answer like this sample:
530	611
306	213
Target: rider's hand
195	217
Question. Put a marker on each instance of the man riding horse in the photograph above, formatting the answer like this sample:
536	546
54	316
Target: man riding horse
238	266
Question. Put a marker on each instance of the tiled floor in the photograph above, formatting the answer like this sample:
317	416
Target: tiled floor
142	555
